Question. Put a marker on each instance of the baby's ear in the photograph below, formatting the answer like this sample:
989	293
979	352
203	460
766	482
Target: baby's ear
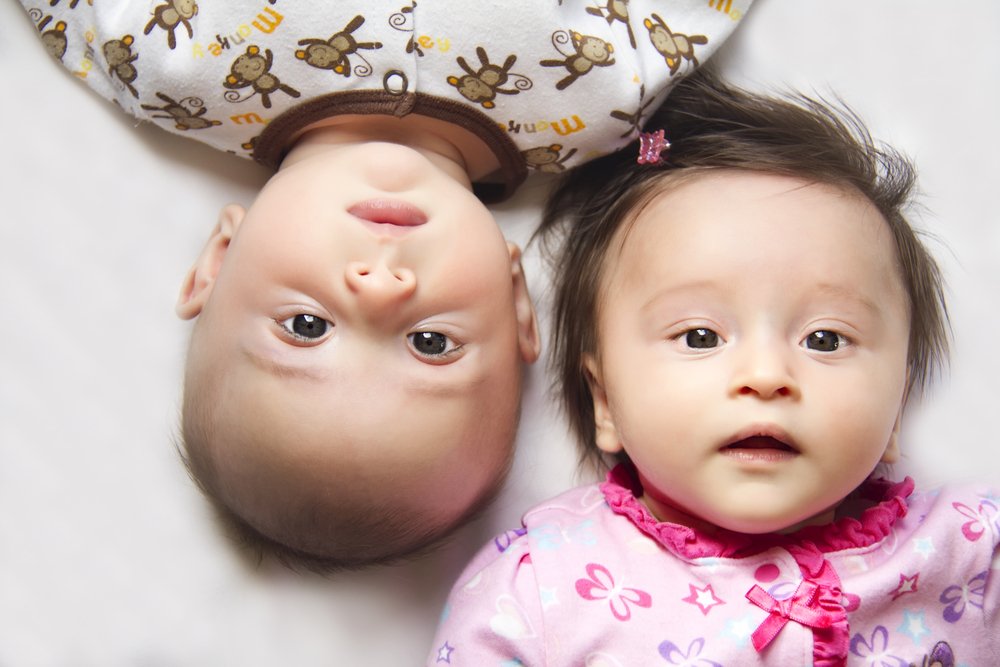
891	453
605	432
201	276
527	325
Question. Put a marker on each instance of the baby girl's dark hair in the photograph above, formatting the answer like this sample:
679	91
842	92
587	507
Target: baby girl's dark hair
714	126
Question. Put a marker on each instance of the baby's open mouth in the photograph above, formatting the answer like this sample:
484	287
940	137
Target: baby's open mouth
760	442
760	449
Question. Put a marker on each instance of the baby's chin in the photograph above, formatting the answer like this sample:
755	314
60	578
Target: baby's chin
746	522
781	524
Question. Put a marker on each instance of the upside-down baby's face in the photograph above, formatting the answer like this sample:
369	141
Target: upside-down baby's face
367	322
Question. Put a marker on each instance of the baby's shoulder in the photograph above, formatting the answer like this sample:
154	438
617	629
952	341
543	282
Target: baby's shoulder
574	517
952	501
970	511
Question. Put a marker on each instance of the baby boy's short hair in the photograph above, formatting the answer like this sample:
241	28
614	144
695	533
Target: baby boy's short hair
324	535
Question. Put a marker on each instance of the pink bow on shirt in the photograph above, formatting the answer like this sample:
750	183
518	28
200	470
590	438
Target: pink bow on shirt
802	608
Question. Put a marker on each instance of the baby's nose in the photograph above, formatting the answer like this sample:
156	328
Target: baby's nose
765	381
764	370
378	286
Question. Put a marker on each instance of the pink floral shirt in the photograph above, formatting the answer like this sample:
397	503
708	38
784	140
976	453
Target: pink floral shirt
592	579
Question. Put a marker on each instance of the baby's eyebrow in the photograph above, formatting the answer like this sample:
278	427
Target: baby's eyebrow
275	367
676	291
848	294
425	384
431	387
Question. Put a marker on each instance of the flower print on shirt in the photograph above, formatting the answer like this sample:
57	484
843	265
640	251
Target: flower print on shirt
956	597
875	649
602	659
511	620
505	540
552	536
600	585
690	658
982	520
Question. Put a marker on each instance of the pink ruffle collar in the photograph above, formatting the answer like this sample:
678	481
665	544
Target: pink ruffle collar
887	499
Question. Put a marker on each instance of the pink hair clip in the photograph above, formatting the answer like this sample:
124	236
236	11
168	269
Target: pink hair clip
651	147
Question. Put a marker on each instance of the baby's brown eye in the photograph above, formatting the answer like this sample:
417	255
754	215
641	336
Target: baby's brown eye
429	343
701	339
308	327
823	341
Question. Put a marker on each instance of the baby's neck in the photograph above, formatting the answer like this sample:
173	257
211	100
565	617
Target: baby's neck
667	511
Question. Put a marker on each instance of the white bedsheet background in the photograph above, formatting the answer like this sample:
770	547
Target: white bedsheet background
107	553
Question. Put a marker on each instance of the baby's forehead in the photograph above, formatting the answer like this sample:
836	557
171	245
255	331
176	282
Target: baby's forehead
752	225
679	200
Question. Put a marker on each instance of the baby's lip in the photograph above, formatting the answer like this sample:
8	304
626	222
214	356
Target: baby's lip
391	216
761	436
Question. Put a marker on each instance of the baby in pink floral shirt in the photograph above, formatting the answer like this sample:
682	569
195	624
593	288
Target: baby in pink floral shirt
741	318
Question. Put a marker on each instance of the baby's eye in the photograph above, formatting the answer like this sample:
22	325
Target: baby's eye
824	341
701	339
431	344
306	327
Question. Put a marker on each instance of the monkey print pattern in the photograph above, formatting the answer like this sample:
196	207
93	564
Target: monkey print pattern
54	40
634	119
617	10
249	146
181	114
547	159
254	70
544	93
170	15
332	53
482	85
673	46
118	53
588	52
403	22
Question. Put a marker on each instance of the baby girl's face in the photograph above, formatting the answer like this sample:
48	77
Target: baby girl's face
369	322
753	341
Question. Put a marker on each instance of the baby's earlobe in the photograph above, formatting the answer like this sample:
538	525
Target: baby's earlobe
605	432
529	340
199	279
185	306
892	452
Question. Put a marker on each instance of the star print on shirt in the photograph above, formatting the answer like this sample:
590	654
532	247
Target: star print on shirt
906	585
913	625
444	653
548	596
740	629
924	546
705	598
